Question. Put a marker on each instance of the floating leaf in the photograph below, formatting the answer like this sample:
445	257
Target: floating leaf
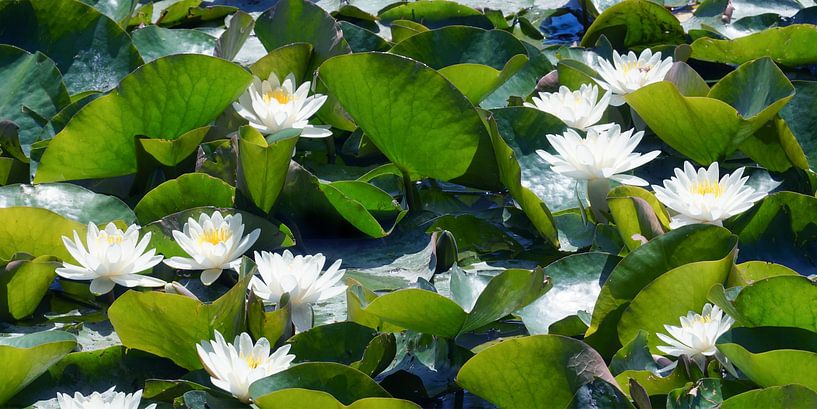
92	52
346	384
29	356
534	371
70	201
170	325
185	192
105	129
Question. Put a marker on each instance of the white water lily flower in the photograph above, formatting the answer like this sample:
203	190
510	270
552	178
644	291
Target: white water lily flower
109	399
606	153
112	257
234	367
577	109
697	334
703	197
271	106
214	243
301	277
630	72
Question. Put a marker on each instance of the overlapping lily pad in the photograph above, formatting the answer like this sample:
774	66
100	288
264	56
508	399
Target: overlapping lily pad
106	128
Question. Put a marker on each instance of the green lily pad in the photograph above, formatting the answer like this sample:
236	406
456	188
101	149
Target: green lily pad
27	357
476	61
780	229
708	129
23	284
445	145
361	39
435	14
337	204
155	42
92	52
788	46
520	131
431	313
783	397
460	45
772	356
687	286
473	233
37	232
403	29
786	301
635	24
344	383
751	271
185	192
341	342
170	325
171	152
298	21
288	59
679	247
34	84
98	370
70	201
523	82
801	117
263	166
637	212
106	128
534	371
309	399
275	325
575	288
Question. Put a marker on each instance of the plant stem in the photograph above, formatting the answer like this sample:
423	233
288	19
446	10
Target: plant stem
411	193
597	190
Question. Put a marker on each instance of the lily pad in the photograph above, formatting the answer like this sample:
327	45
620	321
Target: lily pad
635	24
345	384
310	399
535	371
170	325
298	21
155	42
23	283
767	43
689	244
364	206
92	52
772	356
444	145
29	356
576	284
783	397
436	14
708	129
34	84
70	201
786	301
263	166
105	128
786	219
185	192
36	231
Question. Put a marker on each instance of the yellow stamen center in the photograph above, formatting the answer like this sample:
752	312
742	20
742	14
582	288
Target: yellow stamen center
252	361
214	236
111	239
279	94
704	319
706	188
